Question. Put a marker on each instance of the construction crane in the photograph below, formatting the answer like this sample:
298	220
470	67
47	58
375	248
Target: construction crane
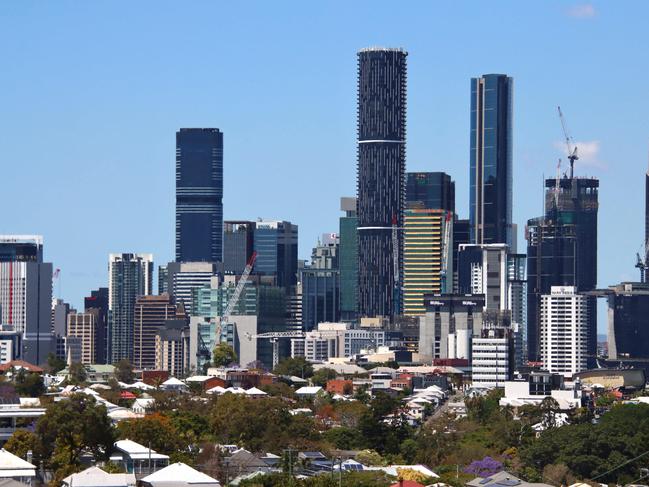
234	299
274	337
557	188
445	249
641	262
572	149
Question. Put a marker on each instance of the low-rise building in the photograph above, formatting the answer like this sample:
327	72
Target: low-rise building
178	475
137	459
96	477
536	386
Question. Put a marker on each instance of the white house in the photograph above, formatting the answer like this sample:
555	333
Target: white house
179	475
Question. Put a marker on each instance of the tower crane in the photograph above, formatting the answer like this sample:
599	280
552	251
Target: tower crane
641	263
572	149
274	337
232	302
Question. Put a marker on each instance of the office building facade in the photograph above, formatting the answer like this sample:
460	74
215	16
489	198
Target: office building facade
445	315
238	245
199	195
184	278
26	294
151	314
130	276
84	327
427	238
492	357
564	331
275	243
348	259
381	152
628	316
97	303
491	171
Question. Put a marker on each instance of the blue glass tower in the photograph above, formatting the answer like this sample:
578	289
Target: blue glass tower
199	195
491	160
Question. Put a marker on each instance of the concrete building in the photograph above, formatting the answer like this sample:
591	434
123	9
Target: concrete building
130	276
84	327
10	344
336	340
492	357
172	348
26	294
564	330
446	314
151	314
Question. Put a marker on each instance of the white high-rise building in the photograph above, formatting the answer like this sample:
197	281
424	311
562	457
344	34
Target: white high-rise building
564	331
183	278
492	357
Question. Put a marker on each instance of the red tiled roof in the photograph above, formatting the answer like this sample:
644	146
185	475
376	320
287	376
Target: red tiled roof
18	364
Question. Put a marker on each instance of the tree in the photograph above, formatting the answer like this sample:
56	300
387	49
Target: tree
21	442
321	376
71	427
155	430
54	363
484	468
124	371
224	355
295	366
29	384
77	373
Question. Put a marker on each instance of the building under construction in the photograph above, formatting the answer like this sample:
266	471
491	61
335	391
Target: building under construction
562	251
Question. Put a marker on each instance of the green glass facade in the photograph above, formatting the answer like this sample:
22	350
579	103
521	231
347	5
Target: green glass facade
348	263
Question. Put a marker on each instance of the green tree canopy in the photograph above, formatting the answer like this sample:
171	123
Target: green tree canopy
29	384
70	427
224	355
321	376
296	366
77	373
124	371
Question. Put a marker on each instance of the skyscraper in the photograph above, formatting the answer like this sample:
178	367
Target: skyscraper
564	330
381	173
562	251
491	160
130	276
427	233
276	245
348	259
26	294
199	194
238	245
321	284
184	278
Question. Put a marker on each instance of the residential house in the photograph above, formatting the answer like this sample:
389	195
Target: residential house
96	477
178	475
137	459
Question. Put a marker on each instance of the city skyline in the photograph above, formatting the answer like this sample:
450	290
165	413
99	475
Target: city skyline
437	141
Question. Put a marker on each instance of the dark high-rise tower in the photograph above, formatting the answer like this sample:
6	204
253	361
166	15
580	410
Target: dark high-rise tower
199	194
562	251
491	160
646	218
381	175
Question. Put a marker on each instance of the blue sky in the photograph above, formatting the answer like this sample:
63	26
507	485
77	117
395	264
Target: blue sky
93	92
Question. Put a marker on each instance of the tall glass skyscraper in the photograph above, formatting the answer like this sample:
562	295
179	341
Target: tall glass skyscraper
199	195
348	259
491	160
381	172
276	245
